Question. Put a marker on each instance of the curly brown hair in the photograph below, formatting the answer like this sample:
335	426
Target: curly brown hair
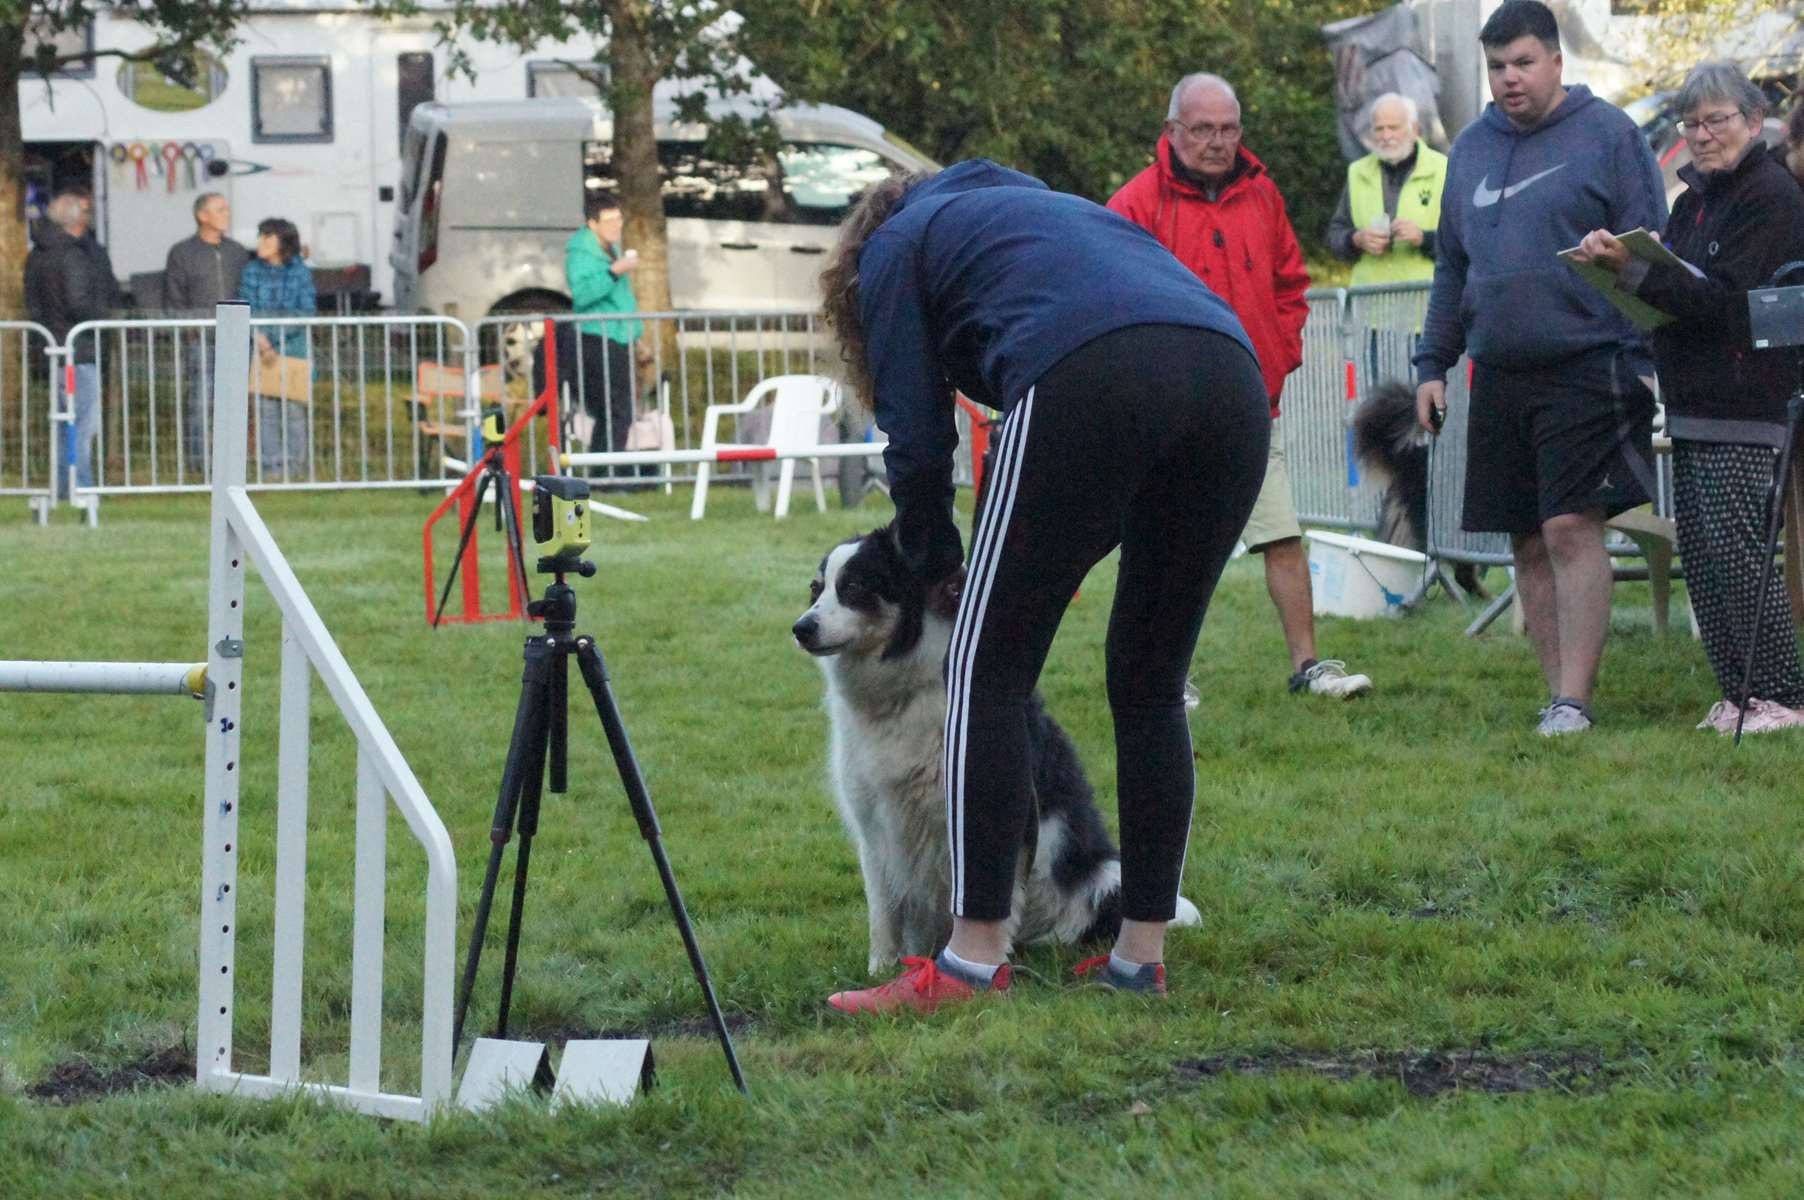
839	280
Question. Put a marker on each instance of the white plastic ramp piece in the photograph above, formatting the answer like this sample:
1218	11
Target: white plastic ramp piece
497	1068
596	1071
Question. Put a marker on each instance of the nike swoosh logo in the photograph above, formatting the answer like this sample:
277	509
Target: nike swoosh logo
1485	195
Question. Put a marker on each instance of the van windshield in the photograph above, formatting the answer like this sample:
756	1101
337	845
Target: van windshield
804	183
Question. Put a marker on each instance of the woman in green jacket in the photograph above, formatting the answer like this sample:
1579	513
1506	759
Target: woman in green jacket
600	275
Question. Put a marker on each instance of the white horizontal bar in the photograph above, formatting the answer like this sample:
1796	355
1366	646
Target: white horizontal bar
378	1104
117	678
635	458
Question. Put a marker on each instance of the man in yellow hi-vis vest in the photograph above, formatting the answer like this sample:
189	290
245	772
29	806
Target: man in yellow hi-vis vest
1391	203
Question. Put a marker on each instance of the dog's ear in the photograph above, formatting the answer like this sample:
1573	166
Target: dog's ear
943	597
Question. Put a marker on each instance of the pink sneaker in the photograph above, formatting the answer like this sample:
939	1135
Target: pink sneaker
923	987
1764	716
1721	716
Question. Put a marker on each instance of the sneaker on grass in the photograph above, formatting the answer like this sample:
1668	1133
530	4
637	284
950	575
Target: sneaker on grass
1721	716
1564	716
923	987
1148	978
1328	677
1764	716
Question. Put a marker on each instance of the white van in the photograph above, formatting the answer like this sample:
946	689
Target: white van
490	193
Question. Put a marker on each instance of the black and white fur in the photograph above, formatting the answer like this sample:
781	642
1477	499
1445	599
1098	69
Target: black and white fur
880	635
1389	445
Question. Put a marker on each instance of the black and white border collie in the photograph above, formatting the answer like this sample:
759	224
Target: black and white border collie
1389	444
880	634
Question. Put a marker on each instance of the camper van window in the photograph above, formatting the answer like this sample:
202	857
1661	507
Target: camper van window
414	84
291	99
173	87
549	77
808	183
63	42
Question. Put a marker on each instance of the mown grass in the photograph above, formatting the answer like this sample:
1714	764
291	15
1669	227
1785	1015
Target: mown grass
1415	872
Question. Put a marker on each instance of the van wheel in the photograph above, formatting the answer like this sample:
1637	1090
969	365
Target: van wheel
519	340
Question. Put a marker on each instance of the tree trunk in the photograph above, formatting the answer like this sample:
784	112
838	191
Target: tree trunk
12	170
635	74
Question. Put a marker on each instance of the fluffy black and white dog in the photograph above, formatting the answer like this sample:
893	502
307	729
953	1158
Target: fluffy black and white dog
880	634
1388	443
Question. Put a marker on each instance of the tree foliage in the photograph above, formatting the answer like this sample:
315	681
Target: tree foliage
174	30
1073	91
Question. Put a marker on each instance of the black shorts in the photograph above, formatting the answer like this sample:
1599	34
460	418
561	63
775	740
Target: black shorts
1542	442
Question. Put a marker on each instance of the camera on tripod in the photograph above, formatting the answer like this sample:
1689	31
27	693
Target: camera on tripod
560	521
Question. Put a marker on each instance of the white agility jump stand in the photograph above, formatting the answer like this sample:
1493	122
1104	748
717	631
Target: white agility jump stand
238	535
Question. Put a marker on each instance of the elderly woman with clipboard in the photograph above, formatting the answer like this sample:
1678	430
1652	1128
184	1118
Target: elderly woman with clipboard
1740	219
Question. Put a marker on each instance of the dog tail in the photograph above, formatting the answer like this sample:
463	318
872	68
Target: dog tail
1188	917
1384	429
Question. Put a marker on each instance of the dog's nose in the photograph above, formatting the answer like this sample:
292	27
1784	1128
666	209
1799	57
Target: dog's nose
804	629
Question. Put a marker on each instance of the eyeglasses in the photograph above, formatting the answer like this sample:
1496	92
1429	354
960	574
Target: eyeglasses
1209	133
1714	124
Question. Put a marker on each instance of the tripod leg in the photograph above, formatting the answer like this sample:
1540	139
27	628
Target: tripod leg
512	527
595	675
547	668
529	725
463	544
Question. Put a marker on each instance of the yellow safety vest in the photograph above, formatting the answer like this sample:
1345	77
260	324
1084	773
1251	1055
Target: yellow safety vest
1419	200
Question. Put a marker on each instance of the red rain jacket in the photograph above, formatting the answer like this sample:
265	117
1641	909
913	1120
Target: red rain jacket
1240	244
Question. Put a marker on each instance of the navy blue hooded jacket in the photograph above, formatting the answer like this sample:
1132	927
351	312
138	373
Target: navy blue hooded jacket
1513	200
981	280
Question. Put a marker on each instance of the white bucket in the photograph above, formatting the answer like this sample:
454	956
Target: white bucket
1358	577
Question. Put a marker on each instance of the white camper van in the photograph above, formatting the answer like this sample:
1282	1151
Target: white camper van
492	191
303	119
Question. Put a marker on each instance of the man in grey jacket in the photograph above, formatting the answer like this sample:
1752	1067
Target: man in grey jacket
1561	419
200	272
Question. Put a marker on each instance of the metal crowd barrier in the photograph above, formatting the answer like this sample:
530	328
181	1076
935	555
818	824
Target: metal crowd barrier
363	402
30	377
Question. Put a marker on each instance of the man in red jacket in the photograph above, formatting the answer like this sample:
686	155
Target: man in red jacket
1214	207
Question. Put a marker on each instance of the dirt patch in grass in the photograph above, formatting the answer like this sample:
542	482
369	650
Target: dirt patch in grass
1427	1073
77	1080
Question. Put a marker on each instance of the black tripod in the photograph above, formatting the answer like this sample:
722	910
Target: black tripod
540	727
492	469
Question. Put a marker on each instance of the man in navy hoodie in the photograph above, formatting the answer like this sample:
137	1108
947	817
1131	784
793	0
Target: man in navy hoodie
1560	435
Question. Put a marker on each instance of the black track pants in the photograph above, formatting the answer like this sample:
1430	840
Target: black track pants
1152	438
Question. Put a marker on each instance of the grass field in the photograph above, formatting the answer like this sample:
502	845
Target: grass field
1440	957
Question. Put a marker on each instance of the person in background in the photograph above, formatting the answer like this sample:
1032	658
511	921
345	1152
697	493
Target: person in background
1214	207
600	275
1740	218
1560	436
68	280
277	283
1391	203
198	273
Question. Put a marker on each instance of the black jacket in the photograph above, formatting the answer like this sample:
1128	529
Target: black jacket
1737	226
68	280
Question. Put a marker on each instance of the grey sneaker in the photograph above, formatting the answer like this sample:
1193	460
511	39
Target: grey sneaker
1149	978
1329	678
1564	716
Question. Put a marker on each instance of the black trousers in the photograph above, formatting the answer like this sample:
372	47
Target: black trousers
599	373
1151	438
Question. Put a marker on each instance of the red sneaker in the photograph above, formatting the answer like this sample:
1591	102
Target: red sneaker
923	987
1150	978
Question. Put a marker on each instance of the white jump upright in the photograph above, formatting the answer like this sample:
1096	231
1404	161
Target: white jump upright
239	536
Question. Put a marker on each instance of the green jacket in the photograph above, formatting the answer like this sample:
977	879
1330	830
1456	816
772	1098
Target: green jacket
594	288
1419	200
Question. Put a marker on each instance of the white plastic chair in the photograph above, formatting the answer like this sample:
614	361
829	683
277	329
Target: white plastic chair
798	402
